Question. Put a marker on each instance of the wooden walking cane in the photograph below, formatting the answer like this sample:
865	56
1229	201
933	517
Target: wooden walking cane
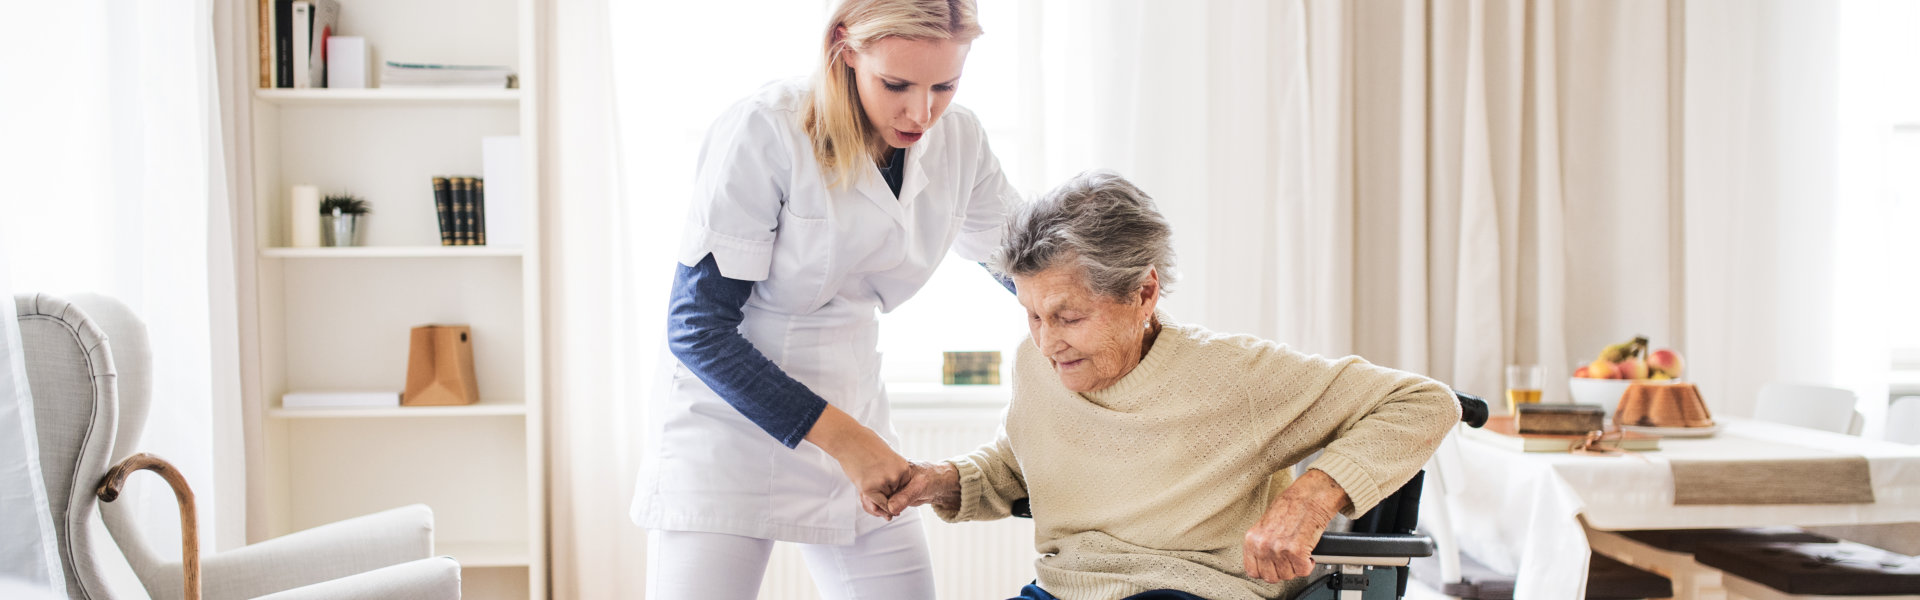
116	478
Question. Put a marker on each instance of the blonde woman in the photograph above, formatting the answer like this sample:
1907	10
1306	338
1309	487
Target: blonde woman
816	204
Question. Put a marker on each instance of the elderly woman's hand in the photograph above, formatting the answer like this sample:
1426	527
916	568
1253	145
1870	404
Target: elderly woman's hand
932	483
1280	546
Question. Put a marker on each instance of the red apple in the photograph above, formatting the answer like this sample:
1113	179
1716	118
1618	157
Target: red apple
1632	368
1665	361
1580	372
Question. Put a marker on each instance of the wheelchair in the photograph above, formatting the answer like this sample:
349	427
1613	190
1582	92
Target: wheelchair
1369	561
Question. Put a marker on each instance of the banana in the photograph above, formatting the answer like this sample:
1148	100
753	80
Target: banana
1624	350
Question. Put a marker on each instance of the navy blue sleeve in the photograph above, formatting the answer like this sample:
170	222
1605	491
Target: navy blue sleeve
703	331
1005	281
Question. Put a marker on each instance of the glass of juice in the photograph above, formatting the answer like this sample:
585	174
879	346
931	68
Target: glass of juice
1523	386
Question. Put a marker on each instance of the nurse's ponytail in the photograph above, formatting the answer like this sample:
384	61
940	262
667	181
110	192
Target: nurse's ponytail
833	117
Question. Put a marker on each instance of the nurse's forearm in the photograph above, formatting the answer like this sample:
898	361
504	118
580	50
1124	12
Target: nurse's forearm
873	467
703	331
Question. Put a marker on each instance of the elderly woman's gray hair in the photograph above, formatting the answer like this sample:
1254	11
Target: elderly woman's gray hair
1100	221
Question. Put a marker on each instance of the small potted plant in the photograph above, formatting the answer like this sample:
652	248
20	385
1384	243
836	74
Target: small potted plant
342	220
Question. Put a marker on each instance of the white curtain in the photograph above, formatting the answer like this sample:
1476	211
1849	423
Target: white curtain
1440	187
29	553
117	185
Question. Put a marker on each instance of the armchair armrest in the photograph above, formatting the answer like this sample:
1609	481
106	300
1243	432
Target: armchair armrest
339	549
425	579
1374	549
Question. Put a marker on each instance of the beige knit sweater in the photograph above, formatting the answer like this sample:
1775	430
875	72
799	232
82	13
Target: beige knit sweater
1153	482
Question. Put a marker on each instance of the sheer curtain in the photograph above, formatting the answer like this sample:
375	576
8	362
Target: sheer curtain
1440	187
117	184
29	555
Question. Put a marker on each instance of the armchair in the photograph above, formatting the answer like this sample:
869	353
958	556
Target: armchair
88	369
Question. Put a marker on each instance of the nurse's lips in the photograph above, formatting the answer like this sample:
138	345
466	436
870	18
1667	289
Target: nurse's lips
910	136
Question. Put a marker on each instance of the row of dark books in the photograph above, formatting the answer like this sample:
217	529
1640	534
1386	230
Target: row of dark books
462	204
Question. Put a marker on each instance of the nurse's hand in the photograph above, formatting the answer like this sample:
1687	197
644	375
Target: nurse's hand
873	467
932	483
1280	546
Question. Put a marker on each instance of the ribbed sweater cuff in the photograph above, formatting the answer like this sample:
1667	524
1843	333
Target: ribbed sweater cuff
972	482
1362	489
1072	584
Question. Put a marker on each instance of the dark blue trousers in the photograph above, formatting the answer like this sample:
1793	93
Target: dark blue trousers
1033	592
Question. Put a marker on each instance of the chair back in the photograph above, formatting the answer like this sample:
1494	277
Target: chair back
70	372
1903	420
132	357
1811	406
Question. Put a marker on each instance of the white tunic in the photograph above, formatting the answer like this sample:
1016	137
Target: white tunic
824	261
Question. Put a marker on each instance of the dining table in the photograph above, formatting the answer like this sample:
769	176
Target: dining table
1522	513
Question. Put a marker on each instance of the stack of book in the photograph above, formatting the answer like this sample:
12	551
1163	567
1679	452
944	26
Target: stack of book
461	202
293	42
418	75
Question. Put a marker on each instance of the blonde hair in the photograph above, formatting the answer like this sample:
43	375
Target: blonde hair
833	117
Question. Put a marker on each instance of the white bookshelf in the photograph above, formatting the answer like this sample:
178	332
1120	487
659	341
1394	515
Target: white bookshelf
339	318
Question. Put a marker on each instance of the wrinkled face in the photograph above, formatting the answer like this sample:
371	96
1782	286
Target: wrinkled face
905	85
1091	340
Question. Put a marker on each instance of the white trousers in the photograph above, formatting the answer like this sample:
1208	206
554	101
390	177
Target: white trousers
889	563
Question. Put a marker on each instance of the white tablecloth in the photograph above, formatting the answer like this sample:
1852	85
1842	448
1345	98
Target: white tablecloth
1520	512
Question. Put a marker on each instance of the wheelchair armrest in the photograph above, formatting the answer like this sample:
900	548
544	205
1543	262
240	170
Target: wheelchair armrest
1371	548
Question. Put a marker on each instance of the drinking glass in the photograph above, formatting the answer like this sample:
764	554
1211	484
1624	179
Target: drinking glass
1523	386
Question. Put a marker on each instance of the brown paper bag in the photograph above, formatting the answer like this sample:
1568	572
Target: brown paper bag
440	367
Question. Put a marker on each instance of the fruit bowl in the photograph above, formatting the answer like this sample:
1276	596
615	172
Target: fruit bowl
1604	392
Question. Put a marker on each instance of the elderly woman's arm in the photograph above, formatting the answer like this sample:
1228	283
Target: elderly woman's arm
979	486
1378	426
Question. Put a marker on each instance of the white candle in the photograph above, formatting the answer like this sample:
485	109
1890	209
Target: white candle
305	210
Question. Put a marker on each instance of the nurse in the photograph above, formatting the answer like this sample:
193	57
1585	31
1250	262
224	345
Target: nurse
815	205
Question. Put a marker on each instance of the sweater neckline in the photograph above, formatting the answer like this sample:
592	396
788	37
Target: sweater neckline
1172	336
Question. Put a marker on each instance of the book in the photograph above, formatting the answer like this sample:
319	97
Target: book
1500	431
501	161
302	43
340	399
479	211
443	204
462	211
346	62
417	75
325	18
283	43
266	42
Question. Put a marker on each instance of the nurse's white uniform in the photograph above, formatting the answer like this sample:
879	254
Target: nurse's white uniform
824	261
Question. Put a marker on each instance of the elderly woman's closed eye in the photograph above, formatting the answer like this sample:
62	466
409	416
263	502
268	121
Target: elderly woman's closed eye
1156	455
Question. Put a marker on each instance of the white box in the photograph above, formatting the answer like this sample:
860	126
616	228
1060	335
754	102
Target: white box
502	166
340	399
347	64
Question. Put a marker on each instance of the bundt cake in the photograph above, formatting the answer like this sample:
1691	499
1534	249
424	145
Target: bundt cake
1662	405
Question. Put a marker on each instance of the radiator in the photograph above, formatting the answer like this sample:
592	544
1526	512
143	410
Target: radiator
970	560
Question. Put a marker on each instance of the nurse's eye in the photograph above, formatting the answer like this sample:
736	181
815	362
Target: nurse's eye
944	87
894	87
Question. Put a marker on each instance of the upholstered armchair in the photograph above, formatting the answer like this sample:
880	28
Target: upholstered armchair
88	367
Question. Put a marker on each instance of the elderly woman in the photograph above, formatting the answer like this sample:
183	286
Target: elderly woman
1156	455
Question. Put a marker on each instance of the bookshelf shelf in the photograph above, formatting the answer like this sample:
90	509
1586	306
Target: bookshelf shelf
395	252
387	97
401	412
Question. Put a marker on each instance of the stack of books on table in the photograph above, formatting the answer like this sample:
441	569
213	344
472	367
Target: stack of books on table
1500	431
421	75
